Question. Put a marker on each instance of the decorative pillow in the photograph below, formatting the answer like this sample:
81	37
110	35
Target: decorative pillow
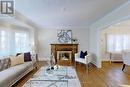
27	57
21	58
17	60
18	54
4	63
83	54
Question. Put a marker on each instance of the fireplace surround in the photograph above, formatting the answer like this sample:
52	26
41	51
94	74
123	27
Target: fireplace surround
64	48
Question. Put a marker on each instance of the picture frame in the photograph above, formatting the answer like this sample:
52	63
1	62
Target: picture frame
64	36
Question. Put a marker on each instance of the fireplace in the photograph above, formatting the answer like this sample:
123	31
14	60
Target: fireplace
64	55
64	52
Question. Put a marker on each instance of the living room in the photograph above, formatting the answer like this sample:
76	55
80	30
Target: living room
54	43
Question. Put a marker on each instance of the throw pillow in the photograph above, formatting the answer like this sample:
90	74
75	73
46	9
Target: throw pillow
27	57
83	54
18	54
4	63
21	58
17	60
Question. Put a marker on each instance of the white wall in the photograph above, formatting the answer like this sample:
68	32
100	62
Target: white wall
48	36
120	14
93	46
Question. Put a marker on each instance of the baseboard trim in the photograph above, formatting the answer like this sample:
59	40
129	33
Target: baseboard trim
112	61
94	63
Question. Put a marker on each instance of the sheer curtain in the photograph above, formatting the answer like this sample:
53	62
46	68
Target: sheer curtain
21	42
4	46
117	43
13	41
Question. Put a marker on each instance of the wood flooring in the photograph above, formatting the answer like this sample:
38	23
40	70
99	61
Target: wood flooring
110	75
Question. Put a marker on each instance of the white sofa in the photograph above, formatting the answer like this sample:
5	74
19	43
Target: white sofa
11	75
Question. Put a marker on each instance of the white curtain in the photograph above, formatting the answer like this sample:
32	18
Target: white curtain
21	42
4	46
13	41
117	43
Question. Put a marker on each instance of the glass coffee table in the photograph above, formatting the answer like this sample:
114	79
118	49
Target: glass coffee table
49	78
63	76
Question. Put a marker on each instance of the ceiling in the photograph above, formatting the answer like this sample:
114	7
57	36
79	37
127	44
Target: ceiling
66	13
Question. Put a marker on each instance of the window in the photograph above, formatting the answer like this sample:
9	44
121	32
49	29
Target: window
3	43
118	43
13	41
21	42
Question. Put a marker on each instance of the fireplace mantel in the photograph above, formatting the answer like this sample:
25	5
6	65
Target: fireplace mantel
64	47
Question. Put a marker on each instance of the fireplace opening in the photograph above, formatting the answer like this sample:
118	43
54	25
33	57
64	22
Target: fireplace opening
64	56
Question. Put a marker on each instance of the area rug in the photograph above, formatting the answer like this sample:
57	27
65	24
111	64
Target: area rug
41	79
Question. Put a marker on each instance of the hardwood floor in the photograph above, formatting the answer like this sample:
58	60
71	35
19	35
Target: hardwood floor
110	75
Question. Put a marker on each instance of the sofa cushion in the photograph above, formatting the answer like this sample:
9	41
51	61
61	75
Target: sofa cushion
27	57
4	63
17	60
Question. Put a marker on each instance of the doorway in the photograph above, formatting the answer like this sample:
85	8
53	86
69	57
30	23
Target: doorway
114	40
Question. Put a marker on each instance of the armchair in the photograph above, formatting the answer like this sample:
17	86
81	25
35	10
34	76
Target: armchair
126	59
85	60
